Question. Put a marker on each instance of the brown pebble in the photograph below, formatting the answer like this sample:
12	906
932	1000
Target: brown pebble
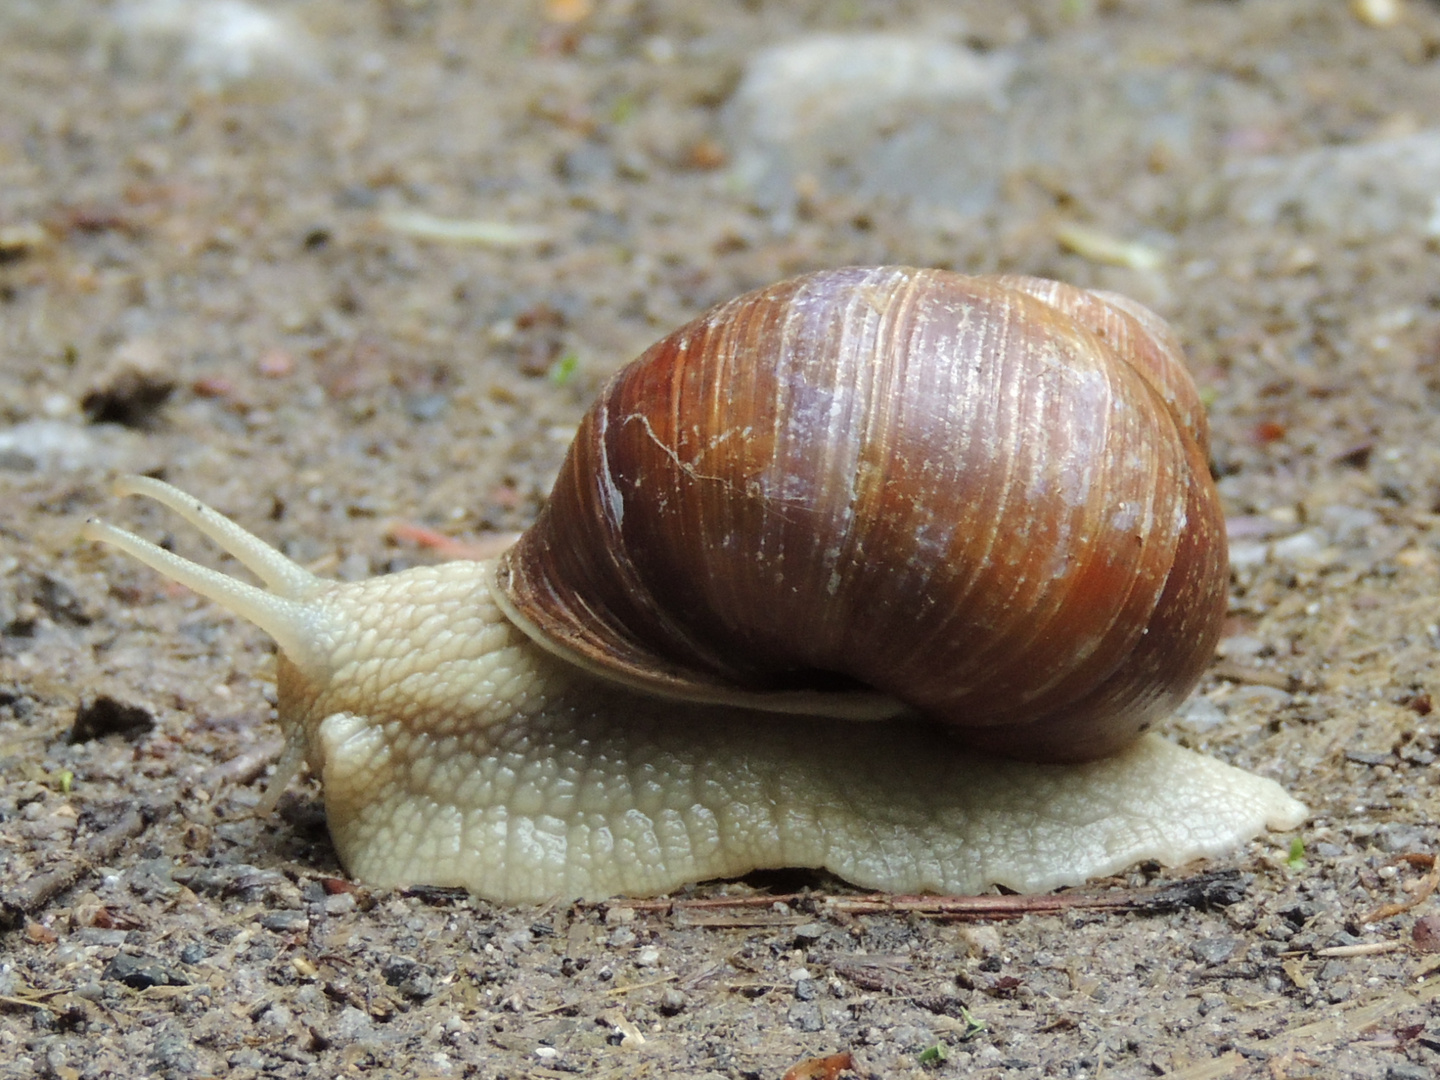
706	154
212	386
1426	933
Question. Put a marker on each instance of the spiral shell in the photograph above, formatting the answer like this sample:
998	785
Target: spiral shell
985	500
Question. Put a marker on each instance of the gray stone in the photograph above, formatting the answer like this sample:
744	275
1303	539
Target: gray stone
1358	191
884	110
285	922
809	933
142	972
352	1024
805	1016
1200	715
926	121
1214	950
1397	836
47	446
216	43
1211	1002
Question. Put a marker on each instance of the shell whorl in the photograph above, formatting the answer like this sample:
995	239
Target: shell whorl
984	498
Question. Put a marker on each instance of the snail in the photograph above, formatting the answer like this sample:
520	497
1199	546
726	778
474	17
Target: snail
882	570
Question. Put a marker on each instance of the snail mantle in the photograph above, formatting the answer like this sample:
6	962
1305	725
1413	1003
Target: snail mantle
882	570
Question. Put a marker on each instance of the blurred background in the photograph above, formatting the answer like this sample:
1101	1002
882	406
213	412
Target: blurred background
351	271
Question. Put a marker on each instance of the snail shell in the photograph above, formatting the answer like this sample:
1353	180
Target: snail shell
986	499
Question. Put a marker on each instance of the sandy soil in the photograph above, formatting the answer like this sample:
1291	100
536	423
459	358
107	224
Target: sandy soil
202	275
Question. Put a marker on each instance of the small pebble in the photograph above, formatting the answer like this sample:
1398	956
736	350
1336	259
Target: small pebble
1332	970
1248	553
1200	714
47	446
805	1016
424	407
1306	547
246	1059
216	42
1377	13
353	1024
275	1019
1211	1002
1347	524
1262	696
285	922
619	916
413	981
912	1038
808	933
982	940
397	969
1398	837
90	991
1426	933
1214	950
142	972
1240	647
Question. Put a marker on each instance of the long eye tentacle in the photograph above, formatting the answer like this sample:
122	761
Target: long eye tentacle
281	575
288	612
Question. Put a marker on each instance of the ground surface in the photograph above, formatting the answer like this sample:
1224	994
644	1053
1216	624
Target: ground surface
199	276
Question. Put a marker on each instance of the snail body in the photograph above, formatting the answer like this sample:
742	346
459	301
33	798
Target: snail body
808	555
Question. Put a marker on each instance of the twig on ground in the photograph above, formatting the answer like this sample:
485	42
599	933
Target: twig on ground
36	891
1218	889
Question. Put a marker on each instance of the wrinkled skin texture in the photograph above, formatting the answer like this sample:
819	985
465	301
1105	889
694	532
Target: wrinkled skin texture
453	751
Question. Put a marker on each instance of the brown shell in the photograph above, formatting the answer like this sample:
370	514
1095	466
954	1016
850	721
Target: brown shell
986	497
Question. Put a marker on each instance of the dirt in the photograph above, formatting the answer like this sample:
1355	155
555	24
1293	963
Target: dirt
202	276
